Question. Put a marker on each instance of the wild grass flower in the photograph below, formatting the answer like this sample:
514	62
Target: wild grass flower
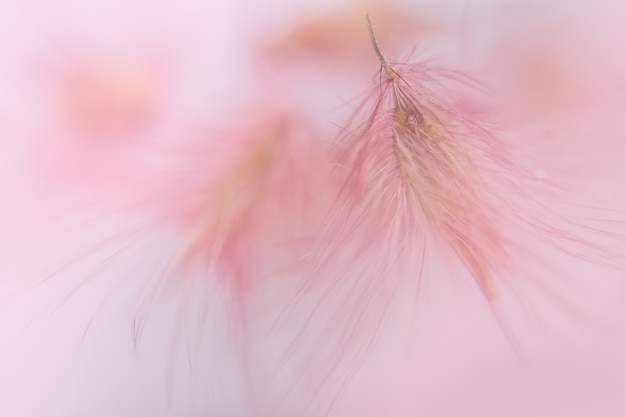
428	182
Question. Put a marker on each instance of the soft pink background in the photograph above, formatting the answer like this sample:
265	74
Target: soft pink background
442	356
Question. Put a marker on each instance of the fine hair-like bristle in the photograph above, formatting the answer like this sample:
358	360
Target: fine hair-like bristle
421	174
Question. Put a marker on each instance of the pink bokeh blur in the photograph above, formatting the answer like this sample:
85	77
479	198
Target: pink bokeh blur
95	96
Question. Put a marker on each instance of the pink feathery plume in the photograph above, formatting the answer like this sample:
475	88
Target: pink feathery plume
427	185
247	202
283	275
243	196
109	123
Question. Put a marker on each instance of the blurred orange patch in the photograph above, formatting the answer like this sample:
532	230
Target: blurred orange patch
342	34
103	99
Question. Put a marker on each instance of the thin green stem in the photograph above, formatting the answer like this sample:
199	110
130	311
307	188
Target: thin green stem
383	61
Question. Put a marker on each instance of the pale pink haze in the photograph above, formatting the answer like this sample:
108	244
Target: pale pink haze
196	221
